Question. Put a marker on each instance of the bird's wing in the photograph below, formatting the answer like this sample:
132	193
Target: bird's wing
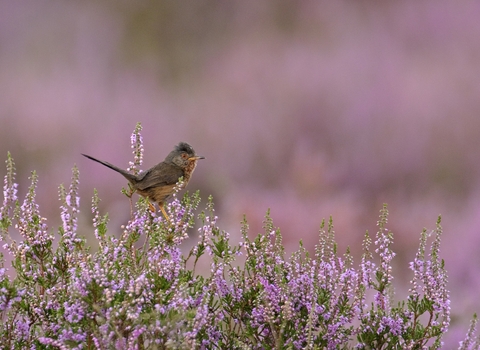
161	174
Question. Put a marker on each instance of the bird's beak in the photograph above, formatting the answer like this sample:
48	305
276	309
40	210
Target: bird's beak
196	158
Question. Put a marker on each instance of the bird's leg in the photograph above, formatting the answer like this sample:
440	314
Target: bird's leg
160	205
152	208
164	213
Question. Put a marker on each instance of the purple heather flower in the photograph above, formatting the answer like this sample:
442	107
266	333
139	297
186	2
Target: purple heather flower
382	302
258	316
9	192
68	335
139	224
22	328
73	312
52	342
395	325
220	282
201	318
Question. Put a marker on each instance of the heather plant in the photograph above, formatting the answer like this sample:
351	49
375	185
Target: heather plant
139	291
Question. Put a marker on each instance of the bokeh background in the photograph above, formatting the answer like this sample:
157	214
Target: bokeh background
309	108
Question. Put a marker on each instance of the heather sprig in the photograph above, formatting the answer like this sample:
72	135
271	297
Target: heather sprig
99	222
140	291
70	208
429	294
10	199
136	142
471	341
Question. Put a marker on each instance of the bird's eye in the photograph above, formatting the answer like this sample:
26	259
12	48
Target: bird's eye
184	156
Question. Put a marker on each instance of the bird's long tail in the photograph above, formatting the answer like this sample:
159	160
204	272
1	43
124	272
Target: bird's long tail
127	175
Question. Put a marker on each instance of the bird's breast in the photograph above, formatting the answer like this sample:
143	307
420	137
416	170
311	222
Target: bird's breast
188	171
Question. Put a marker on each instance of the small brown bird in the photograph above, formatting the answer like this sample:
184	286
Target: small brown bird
158	183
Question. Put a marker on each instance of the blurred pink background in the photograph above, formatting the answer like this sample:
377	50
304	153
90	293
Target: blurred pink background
309	108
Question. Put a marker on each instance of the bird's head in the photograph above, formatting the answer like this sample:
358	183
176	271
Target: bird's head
183	155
